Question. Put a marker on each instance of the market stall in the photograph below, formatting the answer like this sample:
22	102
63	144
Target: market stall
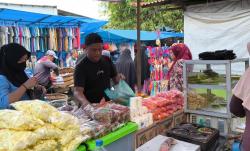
41	32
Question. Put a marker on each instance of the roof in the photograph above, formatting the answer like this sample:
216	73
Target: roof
66	13
176	3
22	18
119	36
7	4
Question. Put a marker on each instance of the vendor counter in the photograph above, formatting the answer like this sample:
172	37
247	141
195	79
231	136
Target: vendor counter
122	140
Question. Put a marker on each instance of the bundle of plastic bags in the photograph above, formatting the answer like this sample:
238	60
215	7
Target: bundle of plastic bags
121	93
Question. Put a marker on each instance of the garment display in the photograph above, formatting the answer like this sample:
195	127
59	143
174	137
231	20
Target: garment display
43	39
158	59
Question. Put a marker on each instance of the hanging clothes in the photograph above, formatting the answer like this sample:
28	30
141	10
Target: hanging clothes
78	38
75	46
11	35
55	39
70	34
20	33
66	40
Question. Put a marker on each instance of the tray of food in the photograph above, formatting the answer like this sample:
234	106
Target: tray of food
206	137
56	96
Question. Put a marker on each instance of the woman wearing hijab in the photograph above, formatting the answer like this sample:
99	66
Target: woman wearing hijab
178	53
240	104
125	65
145	67
14	83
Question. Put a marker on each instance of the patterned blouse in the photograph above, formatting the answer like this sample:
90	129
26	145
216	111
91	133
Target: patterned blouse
176	79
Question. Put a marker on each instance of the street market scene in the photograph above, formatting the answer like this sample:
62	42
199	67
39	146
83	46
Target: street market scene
124	75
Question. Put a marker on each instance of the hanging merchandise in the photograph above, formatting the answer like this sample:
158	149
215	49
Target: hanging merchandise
41	39
159	62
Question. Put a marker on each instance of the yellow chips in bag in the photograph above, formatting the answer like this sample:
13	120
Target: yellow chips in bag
36	108
11	140
64	121
48	131
72	146
17	120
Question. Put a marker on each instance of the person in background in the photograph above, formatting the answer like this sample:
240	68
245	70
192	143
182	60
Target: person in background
105	51
71	59
92	75
125	65
14	83
178	53
43	68
145	67
240	104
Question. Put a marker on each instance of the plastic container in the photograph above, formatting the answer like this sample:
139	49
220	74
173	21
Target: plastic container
99	145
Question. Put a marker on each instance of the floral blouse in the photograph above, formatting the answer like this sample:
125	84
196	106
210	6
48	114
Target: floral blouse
176	79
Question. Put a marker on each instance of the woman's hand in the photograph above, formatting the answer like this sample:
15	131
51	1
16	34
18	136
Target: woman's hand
41	88
31	83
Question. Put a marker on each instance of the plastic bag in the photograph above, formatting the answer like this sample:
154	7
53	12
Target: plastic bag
68	136
121	93
103	115
11	140
17	120
64	121
49	131
45	145
72	146
36	108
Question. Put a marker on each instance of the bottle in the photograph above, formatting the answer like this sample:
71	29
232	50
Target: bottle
99	145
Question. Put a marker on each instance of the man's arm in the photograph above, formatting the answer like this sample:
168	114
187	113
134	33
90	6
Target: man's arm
80	97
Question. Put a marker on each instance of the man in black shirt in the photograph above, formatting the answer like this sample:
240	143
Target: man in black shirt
92	75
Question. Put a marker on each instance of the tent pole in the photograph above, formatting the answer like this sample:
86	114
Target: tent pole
138	68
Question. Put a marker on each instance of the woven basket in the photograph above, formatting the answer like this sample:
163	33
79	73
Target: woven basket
66	70
56	97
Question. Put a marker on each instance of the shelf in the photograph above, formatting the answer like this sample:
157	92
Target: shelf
214	62
206	86
213	114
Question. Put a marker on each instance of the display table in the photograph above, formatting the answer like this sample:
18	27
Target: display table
155	143
159	128
122	139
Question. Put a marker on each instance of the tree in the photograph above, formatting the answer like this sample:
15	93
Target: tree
122	15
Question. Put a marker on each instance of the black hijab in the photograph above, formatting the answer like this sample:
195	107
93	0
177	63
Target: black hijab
10	54
126	66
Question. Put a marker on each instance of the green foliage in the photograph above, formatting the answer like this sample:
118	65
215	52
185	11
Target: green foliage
123	16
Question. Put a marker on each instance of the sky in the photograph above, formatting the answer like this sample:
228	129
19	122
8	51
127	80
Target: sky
89	8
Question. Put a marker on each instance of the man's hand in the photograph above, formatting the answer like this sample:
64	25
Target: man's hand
118	77
80	97
121	76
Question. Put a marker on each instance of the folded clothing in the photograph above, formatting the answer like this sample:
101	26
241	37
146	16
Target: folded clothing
218	55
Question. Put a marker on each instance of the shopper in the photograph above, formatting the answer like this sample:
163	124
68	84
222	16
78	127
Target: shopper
92	75
178	53
43	68
240	104
14	83
145	67
126	66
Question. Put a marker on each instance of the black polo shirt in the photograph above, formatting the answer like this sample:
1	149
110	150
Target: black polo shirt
94	77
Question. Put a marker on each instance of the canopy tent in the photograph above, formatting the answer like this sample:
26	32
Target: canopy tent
9	17
119	36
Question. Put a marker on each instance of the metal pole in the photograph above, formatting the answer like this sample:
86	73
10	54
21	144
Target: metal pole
138	46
